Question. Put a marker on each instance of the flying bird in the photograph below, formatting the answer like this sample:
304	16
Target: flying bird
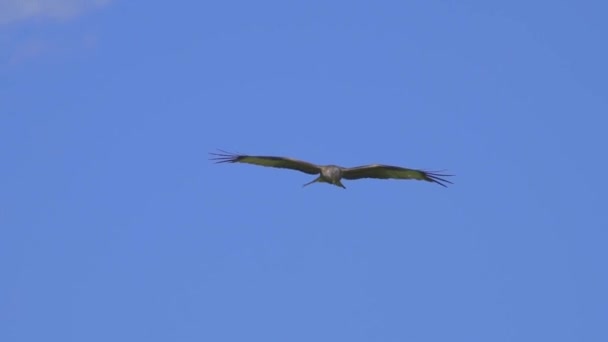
333	174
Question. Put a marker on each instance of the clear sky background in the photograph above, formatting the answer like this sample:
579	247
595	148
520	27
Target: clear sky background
115	226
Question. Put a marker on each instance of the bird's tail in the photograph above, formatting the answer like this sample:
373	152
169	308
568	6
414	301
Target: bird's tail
313	181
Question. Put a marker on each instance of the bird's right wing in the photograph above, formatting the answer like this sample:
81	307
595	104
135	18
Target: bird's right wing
395	172
279	162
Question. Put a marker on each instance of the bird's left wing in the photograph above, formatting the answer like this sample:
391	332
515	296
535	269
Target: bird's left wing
394	172
280	162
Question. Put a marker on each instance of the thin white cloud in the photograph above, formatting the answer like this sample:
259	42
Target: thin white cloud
16	10
27	51
22	52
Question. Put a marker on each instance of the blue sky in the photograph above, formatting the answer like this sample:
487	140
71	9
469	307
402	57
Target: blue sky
115	226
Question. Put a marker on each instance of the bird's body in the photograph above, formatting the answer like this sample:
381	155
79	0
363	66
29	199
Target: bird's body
331	174
334	174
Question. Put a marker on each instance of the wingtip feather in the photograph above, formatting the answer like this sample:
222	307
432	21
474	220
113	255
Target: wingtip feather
225	157
434	177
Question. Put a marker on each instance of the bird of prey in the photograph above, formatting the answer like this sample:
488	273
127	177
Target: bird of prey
333	174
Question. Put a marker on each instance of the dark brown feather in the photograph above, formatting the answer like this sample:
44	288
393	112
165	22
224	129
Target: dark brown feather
394	172
269	161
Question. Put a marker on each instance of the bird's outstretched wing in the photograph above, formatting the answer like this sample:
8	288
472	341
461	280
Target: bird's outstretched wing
394	172
280	162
